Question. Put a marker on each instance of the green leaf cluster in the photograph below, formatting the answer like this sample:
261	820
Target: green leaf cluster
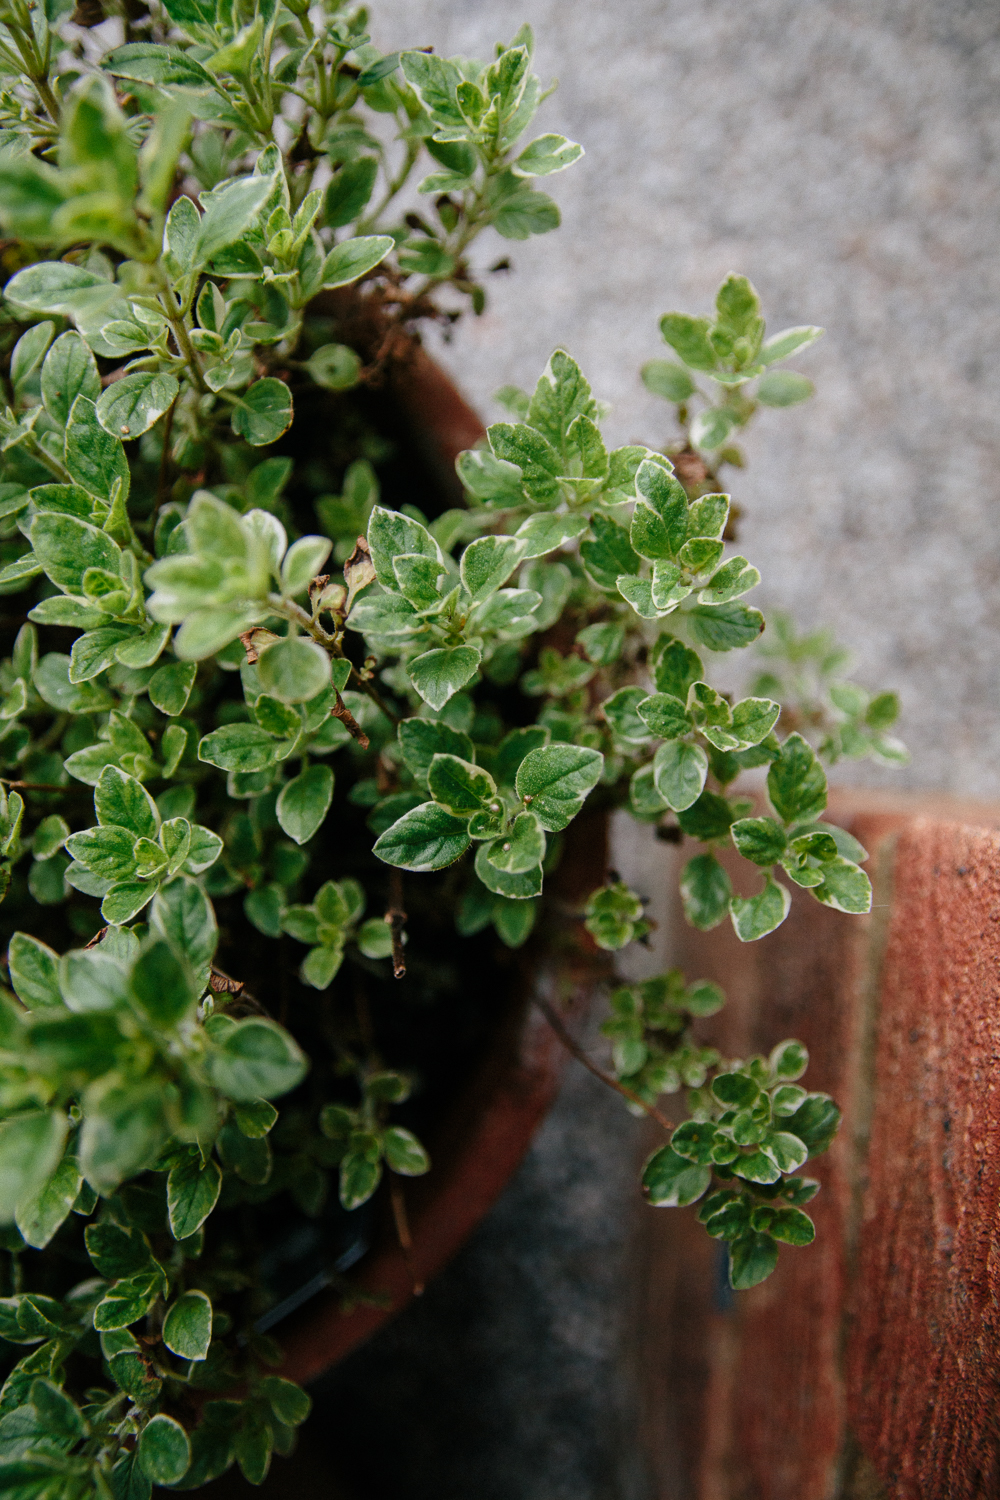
331	921
255	696
733	354
752	1127
807	673
132	851
653	1049
365	1145
614	916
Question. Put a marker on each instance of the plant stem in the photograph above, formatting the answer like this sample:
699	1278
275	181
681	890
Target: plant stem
37	451
403	1230
35	65
372	692
289	610
48	98
573	1046
175	317
396	918
395	185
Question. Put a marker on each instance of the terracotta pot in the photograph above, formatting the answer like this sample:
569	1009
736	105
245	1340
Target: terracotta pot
439	422
425	410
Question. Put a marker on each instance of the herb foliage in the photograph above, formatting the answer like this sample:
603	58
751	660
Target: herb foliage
195	716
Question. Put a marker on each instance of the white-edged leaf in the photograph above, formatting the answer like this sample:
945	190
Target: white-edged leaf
130	406
355	258
304	802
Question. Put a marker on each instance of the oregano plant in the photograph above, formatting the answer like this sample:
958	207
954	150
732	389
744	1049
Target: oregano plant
254	711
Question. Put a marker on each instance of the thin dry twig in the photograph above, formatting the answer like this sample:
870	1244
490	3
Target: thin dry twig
396	918
574	1047
403	1231
350	723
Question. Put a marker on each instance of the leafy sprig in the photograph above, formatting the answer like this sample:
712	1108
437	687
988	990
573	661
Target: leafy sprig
751	1129
731	352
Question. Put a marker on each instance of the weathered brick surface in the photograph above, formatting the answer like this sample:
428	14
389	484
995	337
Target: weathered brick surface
863	1365
923	1355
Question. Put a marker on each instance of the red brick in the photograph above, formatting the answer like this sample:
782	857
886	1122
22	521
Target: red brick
752	1403
923	1355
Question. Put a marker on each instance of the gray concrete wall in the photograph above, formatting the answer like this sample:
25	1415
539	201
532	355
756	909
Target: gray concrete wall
842	153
